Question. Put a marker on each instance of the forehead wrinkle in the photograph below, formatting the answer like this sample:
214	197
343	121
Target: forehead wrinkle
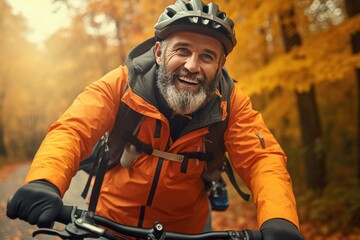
182	44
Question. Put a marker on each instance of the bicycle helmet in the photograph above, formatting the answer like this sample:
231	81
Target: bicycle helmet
198	17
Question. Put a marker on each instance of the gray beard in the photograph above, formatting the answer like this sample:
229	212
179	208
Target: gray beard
183	101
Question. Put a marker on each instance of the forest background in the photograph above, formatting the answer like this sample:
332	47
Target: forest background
298	60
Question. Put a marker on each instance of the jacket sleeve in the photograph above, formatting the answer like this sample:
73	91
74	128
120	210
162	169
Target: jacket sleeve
259	160
72	137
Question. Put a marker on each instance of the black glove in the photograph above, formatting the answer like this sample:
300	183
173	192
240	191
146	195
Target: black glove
37	202
280	229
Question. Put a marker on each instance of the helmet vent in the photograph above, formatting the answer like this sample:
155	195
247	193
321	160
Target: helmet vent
194	19
206	9
189	6
222	15
205	21
170	12
215	25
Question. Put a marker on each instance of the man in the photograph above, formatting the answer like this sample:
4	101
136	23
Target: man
176	80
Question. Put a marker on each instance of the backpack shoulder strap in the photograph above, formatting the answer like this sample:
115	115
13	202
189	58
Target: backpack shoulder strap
108	150
215	138
215	142
230	173
127	121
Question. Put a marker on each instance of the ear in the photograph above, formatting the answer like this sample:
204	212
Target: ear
157	52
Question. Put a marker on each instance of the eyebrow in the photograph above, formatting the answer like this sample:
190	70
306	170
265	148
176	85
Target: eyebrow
184	44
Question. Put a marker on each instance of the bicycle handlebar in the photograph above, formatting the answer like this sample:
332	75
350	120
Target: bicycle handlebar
82	223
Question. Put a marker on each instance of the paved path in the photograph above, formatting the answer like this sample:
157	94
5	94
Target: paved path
20	230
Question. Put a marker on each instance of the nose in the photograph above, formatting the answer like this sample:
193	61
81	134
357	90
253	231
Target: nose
192	63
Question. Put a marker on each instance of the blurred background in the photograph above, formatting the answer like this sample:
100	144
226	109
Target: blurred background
298	60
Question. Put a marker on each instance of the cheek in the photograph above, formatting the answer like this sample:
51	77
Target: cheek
209	74
174	63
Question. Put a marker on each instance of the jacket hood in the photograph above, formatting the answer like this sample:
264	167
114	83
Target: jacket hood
142	70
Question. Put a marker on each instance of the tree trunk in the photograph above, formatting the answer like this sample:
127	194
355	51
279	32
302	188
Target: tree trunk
309	117
314	154
358	118
353	8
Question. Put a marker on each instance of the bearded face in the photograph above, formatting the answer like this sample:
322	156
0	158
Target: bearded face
188	67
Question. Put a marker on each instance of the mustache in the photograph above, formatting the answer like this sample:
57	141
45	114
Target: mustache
183	72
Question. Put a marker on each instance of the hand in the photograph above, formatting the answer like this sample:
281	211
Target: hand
37	202
280	229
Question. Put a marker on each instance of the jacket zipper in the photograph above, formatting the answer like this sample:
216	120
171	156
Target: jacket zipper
154	185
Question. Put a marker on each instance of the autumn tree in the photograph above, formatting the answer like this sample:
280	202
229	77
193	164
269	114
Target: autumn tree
133	21
353	8
12	29
314	154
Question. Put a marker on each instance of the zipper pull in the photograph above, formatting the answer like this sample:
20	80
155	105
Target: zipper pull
262	140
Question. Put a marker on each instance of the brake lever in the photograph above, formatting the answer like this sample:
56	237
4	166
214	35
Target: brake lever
72	231
48	231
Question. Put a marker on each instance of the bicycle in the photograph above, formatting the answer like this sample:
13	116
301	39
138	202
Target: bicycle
82	224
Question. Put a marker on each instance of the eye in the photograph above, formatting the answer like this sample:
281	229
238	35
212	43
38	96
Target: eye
183	51
207	57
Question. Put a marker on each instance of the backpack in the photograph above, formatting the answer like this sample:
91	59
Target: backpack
113	145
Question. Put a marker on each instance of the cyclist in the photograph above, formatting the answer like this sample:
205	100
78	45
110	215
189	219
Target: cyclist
176	79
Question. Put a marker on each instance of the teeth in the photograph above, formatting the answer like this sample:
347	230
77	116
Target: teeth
193	81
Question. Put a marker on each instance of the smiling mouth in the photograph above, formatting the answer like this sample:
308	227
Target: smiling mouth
189	81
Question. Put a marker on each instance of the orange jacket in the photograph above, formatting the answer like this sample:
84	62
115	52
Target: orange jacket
155	189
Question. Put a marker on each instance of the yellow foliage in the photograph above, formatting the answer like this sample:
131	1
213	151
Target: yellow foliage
324	57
